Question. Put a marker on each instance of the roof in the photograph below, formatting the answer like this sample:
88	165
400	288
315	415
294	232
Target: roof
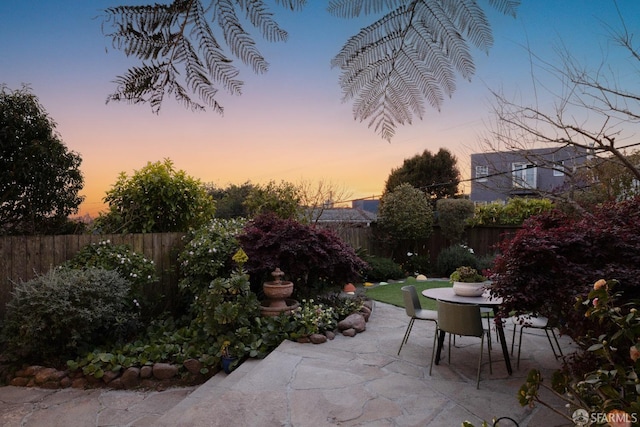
346	215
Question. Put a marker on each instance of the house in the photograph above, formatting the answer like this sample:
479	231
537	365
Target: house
499	176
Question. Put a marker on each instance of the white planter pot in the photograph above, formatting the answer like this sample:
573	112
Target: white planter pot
470	289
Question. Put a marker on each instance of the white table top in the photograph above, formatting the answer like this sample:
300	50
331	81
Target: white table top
447	294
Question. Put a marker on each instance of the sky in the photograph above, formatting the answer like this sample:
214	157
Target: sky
289	124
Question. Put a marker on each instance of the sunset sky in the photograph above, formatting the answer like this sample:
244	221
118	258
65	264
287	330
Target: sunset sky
290	123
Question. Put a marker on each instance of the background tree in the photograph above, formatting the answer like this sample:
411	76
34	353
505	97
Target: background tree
315	198
436	175
405	214
452	217
281	199
607	179
409	55
157	198
230	200
590	110
40	178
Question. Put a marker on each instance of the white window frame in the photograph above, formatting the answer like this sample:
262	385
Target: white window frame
524	175
481	173
558	168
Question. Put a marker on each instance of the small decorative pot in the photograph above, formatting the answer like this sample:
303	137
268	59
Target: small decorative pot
227	364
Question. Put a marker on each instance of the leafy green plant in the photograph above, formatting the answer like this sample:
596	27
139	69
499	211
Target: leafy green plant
139	271
514	212
467	274
416	264
405	213
313	318
611	386
453	257
453	215
65	312
380	269
157	198
207	254
312	258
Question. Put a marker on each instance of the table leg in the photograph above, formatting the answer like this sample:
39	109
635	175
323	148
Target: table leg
440	344
503	343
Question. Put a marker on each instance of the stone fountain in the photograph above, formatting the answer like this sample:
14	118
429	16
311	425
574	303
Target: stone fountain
278	292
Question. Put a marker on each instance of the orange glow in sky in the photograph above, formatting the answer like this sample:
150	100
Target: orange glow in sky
290	123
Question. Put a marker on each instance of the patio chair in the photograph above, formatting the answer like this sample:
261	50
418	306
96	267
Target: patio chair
535	322
463	320
415	311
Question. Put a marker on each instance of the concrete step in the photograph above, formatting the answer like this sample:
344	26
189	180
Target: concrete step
205	395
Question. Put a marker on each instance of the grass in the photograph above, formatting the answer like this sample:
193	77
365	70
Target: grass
391	293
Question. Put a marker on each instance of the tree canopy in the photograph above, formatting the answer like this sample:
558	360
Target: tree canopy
40	178
436	175
409	54
406	213
157	198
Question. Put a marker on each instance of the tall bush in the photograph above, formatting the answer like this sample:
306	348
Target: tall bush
313	258
65	312
452	217
546	265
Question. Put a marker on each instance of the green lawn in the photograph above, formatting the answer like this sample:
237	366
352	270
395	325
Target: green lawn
391	293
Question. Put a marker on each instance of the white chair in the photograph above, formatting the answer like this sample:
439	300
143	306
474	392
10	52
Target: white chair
535	322
463	320
415	311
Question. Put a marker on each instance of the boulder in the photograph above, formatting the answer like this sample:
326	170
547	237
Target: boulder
353	321
164	371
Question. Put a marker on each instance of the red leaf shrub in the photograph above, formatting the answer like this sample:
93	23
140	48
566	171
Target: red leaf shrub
555	258
312	258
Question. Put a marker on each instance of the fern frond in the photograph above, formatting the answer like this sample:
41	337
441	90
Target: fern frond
239	41
262	19
409	56
508	7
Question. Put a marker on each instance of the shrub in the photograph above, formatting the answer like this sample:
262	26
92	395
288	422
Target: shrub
207	254
139	271
610	343
381	269
452	217
312	258
453	257
65	312
514	212
544	267
416	264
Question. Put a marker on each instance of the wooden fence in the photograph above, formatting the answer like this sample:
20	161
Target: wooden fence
23	257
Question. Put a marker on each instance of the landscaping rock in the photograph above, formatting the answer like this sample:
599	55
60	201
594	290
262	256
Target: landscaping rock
164	371
130	377
146	372
349	332
46	375
110	376
353	321
330	335
19	382
366	312
79	383
193	366
318	338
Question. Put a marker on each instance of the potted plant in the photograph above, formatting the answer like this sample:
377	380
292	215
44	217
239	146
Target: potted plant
227	358
467	281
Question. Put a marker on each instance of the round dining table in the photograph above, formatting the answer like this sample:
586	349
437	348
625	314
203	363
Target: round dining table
485	300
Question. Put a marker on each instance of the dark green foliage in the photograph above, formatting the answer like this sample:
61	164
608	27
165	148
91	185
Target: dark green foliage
132	266
39	179
230	201
65	312
312	258
381	269
513	213
416	264
435	175
207	255
452	217
342	305
453	257
555	258
405	213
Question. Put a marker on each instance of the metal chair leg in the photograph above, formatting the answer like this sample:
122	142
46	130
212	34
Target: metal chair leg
406	334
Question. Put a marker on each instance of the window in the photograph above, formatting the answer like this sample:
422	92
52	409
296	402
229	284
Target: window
524	175
481	173
558	168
